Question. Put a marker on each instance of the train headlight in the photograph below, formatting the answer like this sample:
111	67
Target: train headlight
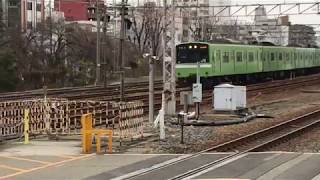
195	46
190	47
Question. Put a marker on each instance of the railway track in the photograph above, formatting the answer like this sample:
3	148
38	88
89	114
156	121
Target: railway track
139	91
258	141
74	93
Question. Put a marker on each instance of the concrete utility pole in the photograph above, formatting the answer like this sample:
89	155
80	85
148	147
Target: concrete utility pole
121	70
98	64
173	58
169	62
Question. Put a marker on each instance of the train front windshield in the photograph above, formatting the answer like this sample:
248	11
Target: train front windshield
192	53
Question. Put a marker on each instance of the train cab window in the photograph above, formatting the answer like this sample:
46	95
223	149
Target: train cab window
251	58
192	53
280	56
239	56
272	56
226	57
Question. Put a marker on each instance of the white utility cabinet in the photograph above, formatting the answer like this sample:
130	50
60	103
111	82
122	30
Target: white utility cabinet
228	97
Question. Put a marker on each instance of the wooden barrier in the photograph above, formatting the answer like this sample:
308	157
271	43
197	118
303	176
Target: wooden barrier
60	116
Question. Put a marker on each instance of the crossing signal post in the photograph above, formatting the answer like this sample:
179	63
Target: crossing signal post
123	12
125	24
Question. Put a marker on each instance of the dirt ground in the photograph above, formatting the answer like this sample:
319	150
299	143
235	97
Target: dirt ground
283	105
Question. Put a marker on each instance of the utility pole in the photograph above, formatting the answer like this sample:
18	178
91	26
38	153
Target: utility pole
151	88
98	46
104	41
173	57
121	70
169	62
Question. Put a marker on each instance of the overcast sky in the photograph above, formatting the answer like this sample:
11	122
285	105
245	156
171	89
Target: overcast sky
298	19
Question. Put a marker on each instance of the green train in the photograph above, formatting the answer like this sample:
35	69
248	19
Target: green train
239	63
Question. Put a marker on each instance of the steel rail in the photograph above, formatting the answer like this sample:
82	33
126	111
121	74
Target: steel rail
258	147
235	142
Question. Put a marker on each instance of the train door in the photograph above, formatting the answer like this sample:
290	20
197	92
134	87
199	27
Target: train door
264	60
240	64
226	64
217	61
251	61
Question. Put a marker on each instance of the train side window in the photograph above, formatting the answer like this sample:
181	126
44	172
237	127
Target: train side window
251	58
280	56
218	55
226	57
295	56
287	56
272	56
213	58
231	55
239	56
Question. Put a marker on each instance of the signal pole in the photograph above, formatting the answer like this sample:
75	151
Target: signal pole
98	64
121	70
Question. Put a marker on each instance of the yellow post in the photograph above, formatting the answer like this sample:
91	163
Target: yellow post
110	141
98	142
26	126
86	122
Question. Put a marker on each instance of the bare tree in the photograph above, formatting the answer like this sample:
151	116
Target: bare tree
147	29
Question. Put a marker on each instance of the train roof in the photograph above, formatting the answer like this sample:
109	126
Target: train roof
243	45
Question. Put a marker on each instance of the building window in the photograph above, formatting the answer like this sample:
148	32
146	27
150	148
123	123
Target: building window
185	33
29	6
38	7
13	3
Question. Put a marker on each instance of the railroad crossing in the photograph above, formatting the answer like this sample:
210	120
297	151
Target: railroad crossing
268	165
258	117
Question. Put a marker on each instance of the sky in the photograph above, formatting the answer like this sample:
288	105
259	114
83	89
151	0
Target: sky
295	19
299	19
